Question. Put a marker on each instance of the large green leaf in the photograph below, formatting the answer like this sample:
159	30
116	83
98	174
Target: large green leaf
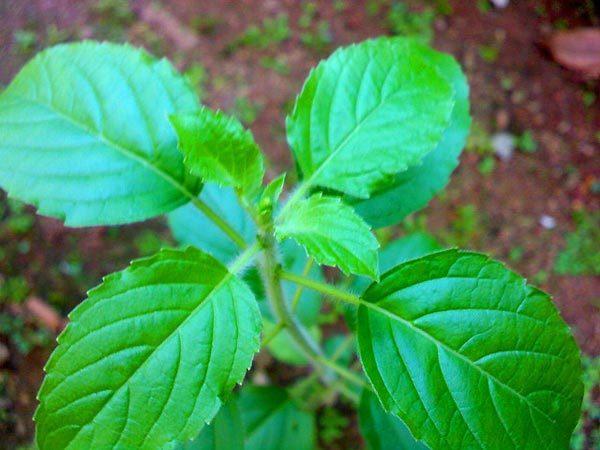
274	422
84	135
218	148
149	356
381	430
225	432
368	112
411	190
332	233
470	356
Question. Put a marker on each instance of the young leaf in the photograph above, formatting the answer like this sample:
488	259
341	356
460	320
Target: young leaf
273	421
217	148
149	356
369	111
332	233
85	135
270	195
383	431
470	356
225	432
411	190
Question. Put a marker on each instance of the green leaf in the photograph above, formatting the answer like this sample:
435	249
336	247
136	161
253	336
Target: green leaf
149	356
224	433
217	148
368	112
411	190
470	356
270	195
86	139
274	422
332	233
383	431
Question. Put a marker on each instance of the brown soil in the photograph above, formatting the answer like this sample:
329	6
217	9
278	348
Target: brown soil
542	97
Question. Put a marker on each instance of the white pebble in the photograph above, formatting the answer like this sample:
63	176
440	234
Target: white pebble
548	222
504	145
500	3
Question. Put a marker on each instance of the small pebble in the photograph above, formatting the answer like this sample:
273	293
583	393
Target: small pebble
500	3
503	145
548	222
260	378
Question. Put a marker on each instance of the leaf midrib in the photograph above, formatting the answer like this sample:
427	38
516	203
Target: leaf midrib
441	344
227	276
130	154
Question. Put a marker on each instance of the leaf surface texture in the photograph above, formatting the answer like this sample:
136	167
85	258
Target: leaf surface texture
149	356
84	135
367	112
470	356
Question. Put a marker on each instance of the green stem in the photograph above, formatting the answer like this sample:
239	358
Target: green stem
333	292
299	289
323	288
280	325
273	334
348	393
244	259
218	221
270	272
348	375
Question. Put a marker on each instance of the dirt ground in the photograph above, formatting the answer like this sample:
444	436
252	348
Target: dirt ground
519	210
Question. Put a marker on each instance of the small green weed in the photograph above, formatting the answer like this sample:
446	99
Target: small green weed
319	40
246	110
272	31
581	255
404	22
277	65
332	423
24	41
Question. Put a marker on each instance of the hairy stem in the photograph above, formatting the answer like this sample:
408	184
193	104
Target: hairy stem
273	334
244	259
346	374
270	272
280	325
218	221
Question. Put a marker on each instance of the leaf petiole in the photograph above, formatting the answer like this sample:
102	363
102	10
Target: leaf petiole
324	288
245	258
218	221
